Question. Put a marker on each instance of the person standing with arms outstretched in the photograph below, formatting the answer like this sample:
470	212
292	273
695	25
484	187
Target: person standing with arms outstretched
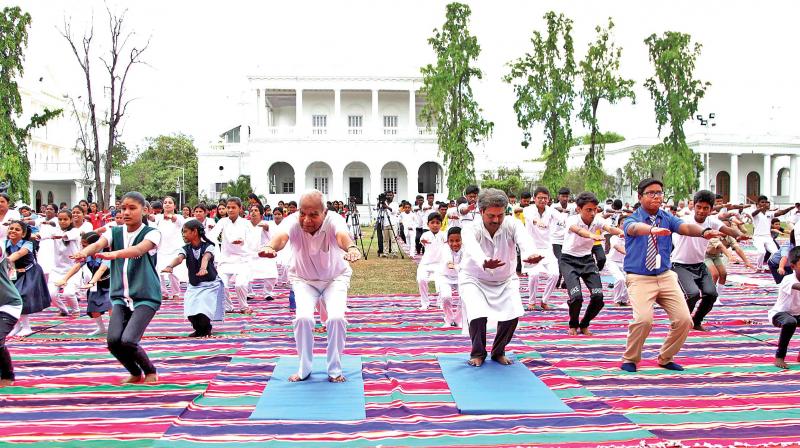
648	244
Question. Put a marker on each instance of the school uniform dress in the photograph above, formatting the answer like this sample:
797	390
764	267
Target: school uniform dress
446	280
430	264
492	295
541	235
135	297
30	281
98	298
786	313
10	311
205	294
233	264
318	273
616	260
688	261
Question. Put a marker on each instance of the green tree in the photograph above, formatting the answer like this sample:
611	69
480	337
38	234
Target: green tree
543	81
576	180
601	81
602	138
645	163
450	105
676	94
154	172
14	164
240	188
506	179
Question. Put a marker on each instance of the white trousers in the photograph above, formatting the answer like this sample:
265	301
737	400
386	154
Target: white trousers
445	287
763	244
69	292
620	290
333	295
549	267
241	282
170	285
425	274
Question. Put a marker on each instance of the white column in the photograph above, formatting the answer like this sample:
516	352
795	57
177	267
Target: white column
376	122
259	108
413	182
376	179
794	179
336	183
338	124
298	104
766	176
412	112
734	178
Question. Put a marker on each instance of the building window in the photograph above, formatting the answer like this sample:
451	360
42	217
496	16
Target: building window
390	124
288	187
390	184
219	187
321	184
319	124
354	124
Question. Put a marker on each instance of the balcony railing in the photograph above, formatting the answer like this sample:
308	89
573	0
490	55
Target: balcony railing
57	167
278	132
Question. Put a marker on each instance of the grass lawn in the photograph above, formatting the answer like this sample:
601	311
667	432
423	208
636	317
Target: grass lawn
382	275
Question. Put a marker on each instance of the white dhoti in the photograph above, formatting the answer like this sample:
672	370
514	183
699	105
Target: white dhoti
206	298
547	266
497	302
333	295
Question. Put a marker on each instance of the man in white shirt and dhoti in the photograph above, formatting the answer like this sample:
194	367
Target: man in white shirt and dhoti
488	281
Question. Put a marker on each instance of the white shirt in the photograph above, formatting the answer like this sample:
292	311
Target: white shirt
788	298
433	250
62	251
560	229
576	245
478	246
614	254
257	236
548	219
690	249
448	257
11	215
171	237
232	231
762	223
316	257
153	236
86	227
409	221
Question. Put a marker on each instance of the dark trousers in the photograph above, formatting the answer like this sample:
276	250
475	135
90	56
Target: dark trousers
7	323
557	253
201	324
574	269
774	263
787	324
402	229
125	330
379	231
419	246
697	285
519	262
477	333
599	255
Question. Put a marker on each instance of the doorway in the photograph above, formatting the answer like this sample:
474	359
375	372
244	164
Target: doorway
357	189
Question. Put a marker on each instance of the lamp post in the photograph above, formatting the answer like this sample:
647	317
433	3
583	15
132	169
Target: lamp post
707	121
183	184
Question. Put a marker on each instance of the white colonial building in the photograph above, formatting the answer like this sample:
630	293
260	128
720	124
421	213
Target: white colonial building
346	136
738	168
58	173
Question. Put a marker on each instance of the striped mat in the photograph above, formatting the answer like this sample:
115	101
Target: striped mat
64	395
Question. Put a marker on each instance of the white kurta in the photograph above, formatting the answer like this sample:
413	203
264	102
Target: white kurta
171	244
234	258
493	293
258	236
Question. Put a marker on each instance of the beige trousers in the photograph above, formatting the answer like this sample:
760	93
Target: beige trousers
644	291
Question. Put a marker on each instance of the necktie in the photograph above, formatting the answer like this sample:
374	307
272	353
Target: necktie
652	250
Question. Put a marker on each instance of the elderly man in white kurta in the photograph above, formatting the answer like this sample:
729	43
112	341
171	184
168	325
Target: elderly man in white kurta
488	281
319	271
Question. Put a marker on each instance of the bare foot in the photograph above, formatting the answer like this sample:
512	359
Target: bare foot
475	362
133	379
296	378
586	332
530	307
321	329
150	378
503	360
781	364
572	331
5	383
545	307
338	379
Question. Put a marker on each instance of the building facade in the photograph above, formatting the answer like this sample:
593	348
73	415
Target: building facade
345	136
738	168
58	173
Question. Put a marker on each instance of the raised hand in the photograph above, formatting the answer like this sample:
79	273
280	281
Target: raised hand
493	263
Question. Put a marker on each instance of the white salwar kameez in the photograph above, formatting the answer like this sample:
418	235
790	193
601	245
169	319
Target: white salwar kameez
171	243
263	271
318	272
234	263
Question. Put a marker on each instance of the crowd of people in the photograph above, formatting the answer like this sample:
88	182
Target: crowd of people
127	260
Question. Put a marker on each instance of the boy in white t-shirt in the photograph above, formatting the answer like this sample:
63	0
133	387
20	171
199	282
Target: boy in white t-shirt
577	262
447	277
615	266
435	242
762	222
786	312
409	221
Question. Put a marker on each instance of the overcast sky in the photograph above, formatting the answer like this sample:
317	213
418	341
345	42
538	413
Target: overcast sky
201	53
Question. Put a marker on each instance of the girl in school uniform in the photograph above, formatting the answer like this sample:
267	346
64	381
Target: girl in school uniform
205	295
66	242
170	225
10	311
26	274
135	290
98	300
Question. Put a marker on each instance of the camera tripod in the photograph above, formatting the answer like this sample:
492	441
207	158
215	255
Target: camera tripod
379	221
353	219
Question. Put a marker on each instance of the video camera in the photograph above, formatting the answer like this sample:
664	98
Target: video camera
382	199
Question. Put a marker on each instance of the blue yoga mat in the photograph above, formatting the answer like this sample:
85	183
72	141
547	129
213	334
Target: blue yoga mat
316	398
497	389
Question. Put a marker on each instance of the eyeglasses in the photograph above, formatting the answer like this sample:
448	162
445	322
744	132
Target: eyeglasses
653	194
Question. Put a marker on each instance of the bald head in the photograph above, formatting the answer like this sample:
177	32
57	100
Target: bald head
312	199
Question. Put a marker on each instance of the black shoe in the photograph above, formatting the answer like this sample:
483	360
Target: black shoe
194	334
269	298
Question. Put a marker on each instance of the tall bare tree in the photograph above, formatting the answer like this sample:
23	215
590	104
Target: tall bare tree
120	58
